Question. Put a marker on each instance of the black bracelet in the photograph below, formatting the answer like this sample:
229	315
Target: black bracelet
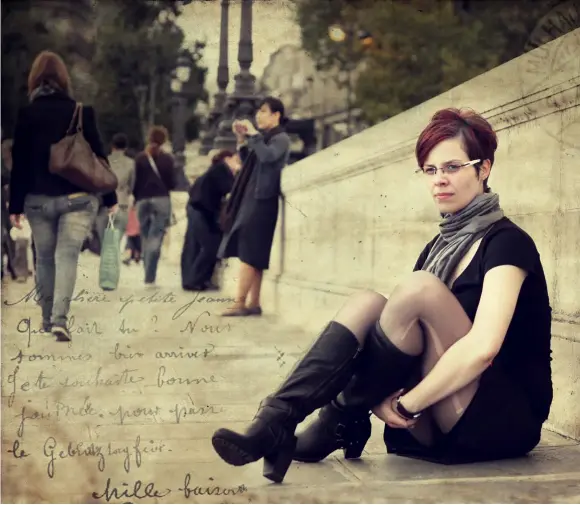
404	412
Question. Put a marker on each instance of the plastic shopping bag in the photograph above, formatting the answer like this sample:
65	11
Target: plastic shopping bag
110	266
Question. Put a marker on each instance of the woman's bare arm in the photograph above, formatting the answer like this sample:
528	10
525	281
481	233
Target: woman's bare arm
468	358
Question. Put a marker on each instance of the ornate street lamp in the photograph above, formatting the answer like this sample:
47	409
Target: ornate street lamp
220	97
243	101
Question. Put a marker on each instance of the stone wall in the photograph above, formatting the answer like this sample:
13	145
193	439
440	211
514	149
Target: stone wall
356	216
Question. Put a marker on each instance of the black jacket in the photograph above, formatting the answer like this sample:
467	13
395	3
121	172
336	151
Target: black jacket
147	183
41	124
208	190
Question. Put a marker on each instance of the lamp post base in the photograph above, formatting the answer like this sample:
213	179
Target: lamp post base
238	106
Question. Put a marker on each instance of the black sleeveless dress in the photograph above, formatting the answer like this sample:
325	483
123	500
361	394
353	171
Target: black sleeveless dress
505	417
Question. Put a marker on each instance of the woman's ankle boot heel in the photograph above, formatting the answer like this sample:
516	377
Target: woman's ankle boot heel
354	450
276	465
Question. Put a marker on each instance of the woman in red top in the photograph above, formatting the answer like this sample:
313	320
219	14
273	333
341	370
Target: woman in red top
456	362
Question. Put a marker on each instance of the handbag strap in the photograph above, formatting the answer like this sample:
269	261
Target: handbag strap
76	118
154	165
80	123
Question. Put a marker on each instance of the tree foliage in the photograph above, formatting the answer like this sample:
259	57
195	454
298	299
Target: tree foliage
134	53
24	34
420	48
141	42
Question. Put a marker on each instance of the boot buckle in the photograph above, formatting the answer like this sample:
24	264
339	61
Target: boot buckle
339	430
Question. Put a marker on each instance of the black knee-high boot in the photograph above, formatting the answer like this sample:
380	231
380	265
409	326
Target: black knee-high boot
317	378
344	423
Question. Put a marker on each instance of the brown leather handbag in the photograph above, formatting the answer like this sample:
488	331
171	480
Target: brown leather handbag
73	159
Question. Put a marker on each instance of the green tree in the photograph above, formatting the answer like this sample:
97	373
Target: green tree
137	49
420	48
24	35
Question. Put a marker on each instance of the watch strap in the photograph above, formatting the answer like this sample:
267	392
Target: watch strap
403	412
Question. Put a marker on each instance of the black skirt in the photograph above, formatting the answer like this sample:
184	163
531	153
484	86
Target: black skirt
253	232
498	424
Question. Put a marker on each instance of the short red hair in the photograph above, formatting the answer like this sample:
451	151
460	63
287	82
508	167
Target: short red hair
477	135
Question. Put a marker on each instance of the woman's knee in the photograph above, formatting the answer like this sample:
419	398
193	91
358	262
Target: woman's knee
419	288
361	311
367	298
367	303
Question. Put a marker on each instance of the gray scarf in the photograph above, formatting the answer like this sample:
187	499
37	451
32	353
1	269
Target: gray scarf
459	232
44	89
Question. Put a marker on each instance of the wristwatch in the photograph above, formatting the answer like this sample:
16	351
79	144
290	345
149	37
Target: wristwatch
404	412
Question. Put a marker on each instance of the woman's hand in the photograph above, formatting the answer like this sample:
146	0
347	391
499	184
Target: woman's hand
15	220
239	131
248	126
114	209
387	413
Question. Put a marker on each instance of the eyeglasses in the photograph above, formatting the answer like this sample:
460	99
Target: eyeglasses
451	168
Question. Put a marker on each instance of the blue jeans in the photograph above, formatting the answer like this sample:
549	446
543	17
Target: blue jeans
154	216
59	226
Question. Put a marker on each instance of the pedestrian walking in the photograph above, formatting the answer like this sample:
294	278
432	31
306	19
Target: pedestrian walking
124	168
203	235
133	238
60	212
456	362
252	209
154	179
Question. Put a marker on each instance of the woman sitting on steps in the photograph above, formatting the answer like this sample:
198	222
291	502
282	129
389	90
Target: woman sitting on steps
456	362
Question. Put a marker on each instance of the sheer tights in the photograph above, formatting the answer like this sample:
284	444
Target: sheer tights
422	317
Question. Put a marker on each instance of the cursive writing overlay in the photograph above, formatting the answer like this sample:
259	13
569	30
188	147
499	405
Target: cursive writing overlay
198	298
25	386
126	353
80	329
29	414
16	451
71	449
82	296
155	297
140	490
183	411
22	356
209	490
116	379
124	330
195	325
24	326
41	382
122	413
130	491
163	380
185	354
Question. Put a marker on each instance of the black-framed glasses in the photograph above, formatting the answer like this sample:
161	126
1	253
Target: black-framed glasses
450	168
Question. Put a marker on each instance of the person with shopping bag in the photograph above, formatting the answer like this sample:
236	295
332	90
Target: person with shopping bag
124	168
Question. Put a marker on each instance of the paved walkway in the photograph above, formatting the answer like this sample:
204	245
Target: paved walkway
125	413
